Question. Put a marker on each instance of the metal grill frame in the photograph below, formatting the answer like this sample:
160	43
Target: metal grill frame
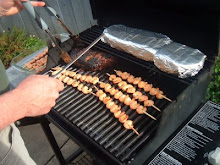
85	141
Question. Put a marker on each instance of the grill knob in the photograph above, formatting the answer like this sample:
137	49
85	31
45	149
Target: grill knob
214	157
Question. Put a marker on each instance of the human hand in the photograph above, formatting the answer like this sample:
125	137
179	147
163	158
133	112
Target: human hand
37	94
10	7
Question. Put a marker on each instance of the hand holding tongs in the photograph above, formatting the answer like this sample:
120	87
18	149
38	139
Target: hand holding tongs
42	24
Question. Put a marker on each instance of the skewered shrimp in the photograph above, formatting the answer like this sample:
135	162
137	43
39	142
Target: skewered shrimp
136	80
107	87
143	98
141	84
70	81
86	90
118	94
114	108
117	80
133	104
102	96
153	91
80	86
125	75
75	83
122	98
131	90
113	91
137	94
65	79
109	104
130	79
118	72
112	77
72	74
129	125
147	87
106	99
82	78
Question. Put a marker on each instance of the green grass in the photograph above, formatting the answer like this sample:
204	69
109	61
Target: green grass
213	92
14	42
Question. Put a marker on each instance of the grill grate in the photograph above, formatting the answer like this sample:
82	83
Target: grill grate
93	119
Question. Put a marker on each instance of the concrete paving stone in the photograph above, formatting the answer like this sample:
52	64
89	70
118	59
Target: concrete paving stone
38	145
69	148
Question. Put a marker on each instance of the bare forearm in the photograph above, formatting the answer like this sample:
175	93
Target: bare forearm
11	108
34	96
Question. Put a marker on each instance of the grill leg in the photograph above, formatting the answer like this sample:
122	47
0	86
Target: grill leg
53	143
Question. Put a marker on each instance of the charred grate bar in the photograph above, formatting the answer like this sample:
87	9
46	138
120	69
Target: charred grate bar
88	116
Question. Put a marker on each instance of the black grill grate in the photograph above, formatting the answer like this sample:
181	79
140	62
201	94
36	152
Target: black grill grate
94	120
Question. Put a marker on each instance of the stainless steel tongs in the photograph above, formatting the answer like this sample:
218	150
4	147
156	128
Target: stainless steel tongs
42	24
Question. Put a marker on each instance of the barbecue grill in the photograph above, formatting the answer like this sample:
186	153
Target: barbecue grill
89	123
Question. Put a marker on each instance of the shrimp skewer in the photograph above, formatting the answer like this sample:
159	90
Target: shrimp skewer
69	81
116	110
123	98
142	84
129	89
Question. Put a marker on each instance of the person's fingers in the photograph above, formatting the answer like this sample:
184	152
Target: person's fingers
38	3
55	94
53	103
60	85
35	3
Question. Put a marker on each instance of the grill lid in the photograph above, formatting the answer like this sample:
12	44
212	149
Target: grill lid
189	23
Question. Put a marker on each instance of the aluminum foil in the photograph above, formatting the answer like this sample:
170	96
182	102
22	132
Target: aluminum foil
140	43
179	59
168	56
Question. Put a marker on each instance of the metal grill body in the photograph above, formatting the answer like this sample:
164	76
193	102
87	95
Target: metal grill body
90	124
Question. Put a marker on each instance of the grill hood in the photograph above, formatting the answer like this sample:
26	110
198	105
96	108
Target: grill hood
194	24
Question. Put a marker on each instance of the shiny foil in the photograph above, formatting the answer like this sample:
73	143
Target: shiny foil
140	43
179	59
168	56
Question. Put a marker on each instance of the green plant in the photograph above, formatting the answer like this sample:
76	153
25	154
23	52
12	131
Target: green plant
213	92
14	42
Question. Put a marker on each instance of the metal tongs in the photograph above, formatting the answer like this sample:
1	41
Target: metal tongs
42	24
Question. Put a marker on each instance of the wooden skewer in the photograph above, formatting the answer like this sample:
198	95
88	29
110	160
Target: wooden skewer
135	131
100	82
108	74
96	88
167	98
150	116
156	108
93	94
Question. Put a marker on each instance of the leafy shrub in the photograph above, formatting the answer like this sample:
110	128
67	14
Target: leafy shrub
15	41
213	92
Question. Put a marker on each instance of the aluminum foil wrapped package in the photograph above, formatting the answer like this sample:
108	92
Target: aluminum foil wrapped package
140	43
179	59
